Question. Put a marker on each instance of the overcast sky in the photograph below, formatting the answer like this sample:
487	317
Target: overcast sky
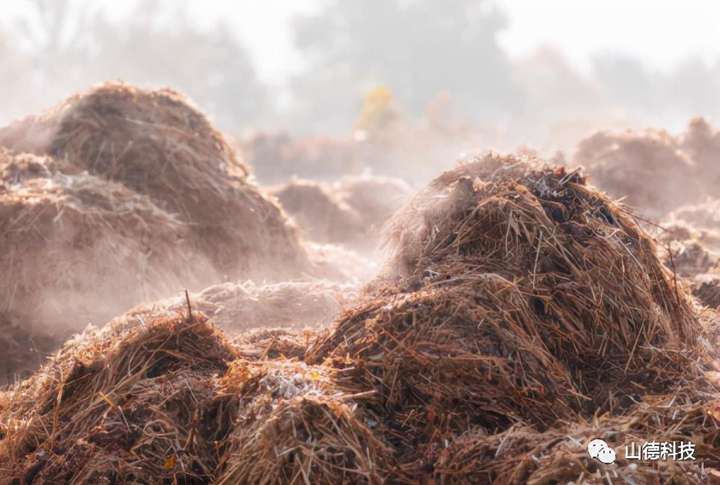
661	32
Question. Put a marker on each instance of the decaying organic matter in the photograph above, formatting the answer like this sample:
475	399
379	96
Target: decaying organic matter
170	399
158	144
120	196
295	427
649	169
77	249
654	171
132	402
350	211
521	312
316	209
518	297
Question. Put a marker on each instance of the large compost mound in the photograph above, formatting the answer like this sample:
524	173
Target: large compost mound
132	403
77	249
690	239
702	142
170	400
157	144
517	295
702	218
521	314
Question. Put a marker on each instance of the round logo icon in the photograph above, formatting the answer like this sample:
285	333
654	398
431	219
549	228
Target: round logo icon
599	450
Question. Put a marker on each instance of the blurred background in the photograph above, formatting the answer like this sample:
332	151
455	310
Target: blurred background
422	80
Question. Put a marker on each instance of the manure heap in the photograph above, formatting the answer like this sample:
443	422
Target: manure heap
654	170
521	314
350	211
158	144
120	196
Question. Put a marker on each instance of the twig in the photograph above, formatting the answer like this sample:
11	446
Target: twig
190	317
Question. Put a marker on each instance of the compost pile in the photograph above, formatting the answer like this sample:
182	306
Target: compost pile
655	171
157	144
169	398
649	169
521	314
702	142
120	196
702	220
276	157
690	245
77	249
133	402
316	209
350	212
519	304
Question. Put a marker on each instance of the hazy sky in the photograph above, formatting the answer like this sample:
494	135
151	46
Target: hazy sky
661	32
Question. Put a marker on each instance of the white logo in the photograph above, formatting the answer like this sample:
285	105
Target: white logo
599	450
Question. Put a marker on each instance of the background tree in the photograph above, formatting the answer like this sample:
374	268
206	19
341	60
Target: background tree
69	45
416	48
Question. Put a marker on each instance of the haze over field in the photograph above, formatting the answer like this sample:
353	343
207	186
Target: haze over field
504	73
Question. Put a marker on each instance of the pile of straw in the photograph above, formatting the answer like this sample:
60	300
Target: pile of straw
690	246
79	249
702	142
521	314
350	211
131	403
655	171
158	144
295	427
169	399
706	287
518	297
318	212
649	169
701	220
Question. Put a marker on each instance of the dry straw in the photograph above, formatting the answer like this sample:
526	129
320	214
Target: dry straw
522	313
158	144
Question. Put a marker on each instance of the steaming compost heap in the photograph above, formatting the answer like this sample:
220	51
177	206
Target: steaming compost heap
78	249
128	196
317	210
159	145
655	171
516	296
350	211
520	314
